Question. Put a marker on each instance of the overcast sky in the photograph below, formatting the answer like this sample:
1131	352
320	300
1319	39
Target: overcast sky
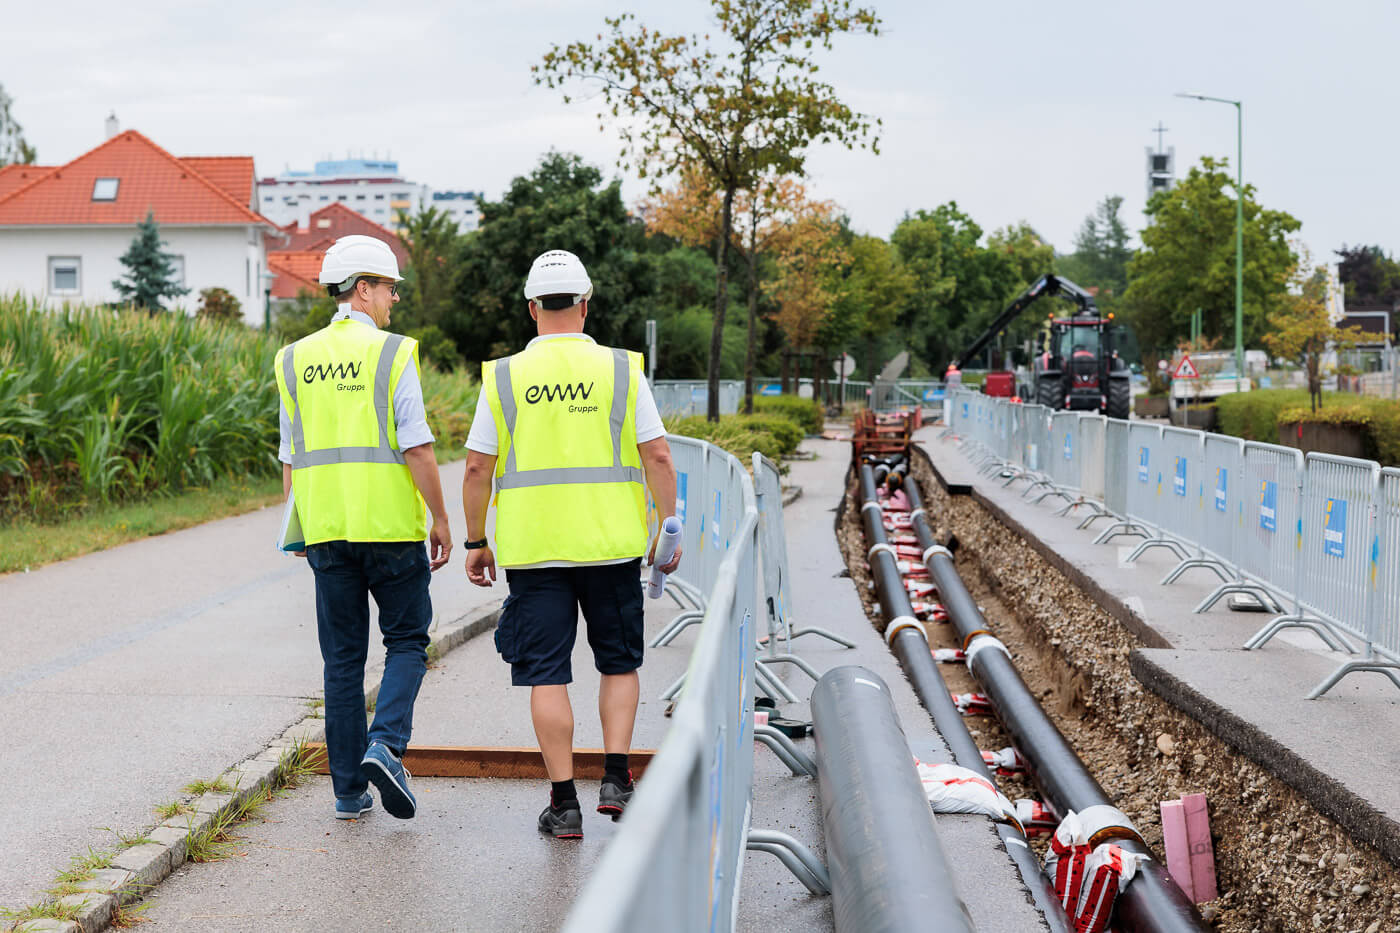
1018	110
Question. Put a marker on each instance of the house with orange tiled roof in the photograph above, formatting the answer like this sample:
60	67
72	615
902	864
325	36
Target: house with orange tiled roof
295	258
64	228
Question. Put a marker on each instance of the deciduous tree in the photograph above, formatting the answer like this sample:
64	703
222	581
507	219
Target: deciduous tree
1187	261
736	107
431	238
1370	276
13	147
1300	328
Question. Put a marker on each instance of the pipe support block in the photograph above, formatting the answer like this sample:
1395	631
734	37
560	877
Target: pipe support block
899	623
877	548
936	549
1104	823
982	643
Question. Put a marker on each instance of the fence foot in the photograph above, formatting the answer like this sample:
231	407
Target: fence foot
670	692
1388	668
798	761
678	624
1121	527
794	660
1239	586
1150	543
800	860
1205	563
830	636
1319	628
772	685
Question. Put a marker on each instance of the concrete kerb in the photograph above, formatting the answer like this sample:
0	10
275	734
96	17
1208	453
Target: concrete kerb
137	869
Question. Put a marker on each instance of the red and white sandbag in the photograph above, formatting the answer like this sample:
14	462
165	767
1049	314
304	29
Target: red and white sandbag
899	502
972	704
904	539
918	589
1007	761
929	611
909	568
951	789
1036	818
1107	871
949	656
1064	862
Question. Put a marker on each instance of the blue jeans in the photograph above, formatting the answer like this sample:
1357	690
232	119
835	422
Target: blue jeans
347	573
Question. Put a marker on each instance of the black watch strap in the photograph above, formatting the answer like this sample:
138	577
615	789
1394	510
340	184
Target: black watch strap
473	545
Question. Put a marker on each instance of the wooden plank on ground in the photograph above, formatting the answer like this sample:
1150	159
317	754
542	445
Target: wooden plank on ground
482	761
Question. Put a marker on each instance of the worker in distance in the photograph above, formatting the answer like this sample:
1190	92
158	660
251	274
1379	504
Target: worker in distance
358	462
568	430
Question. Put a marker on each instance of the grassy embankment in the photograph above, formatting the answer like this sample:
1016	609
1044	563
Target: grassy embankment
116	425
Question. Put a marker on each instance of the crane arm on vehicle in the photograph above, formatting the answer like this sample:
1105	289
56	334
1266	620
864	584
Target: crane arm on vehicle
1047	285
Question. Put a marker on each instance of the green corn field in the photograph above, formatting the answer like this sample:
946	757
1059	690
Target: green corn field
100	405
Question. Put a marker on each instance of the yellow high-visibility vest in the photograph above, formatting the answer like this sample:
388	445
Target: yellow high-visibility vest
568	473
348	475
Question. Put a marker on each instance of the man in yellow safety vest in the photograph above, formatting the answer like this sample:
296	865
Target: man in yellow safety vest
568	430
357	457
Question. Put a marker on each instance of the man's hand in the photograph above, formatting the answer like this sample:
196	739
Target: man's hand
671	565
481	565
439	544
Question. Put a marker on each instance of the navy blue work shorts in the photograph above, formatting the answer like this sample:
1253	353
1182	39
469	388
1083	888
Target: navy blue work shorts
539	621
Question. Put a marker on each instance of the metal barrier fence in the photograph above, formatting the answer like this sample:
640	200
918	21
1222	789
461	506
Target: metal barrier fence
686	397
675	860
1316	539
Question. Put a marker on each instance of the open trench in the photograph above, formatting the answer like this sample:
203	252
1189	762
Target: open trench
1280	865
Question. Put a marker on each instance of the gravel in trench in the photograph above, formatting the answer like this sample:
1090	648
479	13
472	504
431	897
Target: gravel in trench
1280	865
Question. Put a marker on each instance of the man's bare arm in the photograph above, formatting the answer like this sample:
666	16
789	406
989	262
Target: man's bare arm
661	481
476	499
423	465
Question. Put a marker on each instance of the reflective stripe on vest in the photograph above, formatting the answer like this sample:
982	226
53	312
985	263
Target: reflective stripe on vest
384	453
512	478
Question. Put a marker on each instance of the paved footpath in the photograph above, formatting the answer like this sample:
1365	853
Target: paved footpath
472	859
126	674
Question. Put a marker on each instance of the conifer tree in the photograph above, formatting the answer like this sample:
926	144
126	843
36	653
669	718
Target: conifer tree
150	270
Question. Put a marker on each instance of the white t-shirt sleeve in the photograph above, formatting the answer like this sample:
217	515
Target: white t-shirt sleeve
284	424
410	417
482	436
648	417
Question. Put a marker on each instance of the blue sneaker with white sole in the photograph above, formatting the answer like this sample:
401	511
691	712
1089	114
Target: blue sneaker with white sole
383	769
352	808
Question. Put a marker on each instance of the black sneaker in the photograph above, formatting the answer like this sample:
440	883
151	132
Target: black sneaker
613	798
565	822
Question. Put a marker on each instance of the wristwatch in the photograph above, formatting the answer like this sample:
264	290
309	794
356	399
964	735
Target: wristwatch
473	545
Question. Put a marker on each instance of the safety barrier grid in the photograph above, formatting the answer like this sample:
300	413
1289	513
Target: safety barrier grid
676	860
686	397
1315	539
773	558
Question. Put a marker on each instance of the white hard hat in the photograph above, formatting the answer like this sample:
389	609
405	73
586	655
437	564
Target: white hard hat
558	272
353	256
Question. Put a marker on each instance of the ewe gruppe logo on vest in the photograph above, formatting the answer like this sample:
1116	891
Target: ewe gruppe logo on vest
337	371
571	392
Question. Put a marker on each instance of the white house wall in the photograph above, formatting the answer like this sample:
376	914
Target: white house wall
230	257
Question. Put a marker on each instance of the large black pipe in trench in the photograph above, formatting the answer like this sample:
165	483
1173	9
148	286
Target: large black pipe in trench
1152	902
910	646
888	869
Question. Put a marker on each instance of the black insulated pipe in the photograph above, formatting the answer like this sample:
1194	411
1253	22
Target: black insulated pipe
888	868
1152	902
910	646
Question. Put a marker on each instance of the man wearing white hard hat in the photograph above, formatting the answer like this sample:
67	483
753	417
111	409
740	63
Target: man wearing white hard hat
357	457
568	430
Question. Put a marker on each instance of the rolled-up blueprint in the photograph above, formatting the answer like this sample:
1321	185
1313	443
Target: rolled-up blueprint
665	550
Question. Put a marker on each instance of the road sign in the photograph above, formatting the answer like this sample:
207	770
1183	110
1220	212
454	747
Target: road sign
1185	369
844	366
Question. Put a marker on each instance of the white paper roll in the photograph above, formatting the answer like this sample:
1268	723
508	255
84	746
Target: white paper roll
665	550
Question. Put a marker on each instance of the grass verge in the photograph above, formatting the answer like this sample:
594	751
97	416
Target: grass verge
26	545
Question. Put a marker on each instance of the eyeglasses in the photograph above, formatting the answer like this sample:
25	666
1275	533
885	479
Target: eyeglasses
393	286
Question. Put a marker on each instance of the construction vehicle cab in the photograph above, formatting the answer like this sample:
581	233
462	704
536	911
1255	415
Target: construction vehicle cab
1077	367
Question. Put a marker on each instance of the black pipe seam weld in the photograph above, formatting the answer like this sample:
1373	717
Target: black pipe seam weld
910	647
889	871
1152	902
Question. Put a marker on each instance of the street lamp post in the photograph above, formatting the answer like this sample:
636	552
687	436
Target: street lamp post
1239	224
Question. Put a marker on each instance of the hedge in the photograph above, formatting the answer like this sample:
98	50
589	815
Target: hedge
1256	416
804	411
